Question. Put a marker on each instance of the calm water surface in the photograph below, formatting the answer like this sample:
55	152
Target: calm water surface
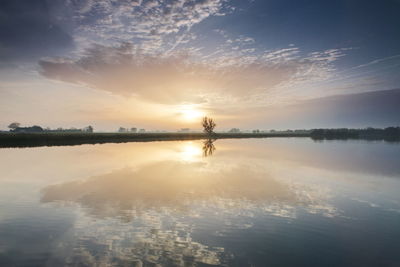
256	202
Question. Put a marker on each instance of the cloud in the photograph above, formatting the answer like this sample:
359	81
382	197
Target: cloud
121	71
165	22
355	110
48	28
148	49
184	77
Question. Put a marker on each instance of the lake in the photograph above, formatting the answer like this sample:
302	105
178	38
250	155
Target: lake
247	202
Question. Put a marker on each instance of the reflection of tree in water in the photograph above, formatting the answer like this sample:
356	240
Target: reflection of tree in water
208	147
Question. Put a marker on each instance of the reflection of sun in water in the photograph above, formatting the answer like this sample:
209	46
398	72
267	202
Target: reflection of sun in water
190	113
190	152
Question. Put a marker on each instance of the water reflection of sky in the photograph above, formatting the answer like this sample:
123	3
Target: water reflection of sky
171	203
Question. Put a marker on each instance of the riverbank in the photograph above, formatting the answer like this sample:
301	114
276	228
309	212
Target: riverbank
9	139
70	139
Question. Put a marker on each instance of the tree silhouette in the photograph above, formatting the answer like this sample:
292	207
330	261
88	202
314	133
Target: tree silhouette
88	129
14	125
208	125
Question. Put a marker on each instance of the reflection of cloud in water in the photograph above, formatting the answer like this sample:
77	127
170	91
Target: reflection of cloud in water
144	242
147	216
180	186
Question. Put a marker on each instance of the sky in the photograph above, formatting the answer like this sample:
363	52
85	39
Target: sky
162	65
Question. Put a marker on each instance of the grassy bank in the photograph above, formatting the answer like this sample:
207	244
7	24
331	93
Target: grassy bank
9	139
68	139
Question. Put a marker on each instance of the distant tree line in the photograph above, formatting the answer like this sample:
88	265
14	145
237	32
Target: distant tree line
130	130
389	133
15	127
234	130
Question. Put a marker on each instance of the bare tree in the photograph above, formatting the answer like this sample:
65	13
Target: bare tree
208	125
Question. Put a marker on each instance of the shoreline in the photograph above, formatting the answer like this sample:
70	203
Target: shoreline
10	140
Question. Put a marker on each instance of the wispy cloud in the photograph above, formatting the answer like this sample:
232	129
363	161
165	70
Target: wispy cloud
379	60
149	49
151	24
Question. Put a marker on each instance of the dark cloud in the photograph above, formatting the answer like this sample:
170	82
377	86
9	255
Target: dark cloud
29	29
378	108
375	109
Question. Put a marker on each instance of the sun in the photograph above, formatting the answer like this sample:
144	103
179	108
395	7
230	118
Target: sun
190	113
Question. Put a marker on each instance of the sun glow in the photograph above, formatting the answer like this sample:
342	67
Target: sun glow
190	113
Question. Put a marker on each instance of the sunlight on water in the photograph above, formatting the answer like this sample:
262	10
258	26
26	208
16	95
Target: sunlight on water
190	151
